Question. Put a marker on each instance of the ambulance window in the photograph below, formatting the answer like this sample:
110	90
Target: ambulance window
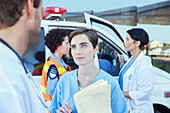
107	57
34	56
109	30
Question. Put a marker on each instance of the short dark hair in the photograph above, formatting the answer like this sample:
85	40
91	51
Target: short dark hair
139	34
11	11
90	33
54	38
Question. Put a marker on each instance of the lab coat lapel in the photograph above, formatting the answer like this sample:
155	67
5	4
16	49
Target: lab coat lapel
138	58
129	71
37	89
126	64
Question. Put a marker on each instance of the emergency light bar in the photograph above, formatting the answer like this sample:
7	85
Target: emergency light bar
167	94
51	12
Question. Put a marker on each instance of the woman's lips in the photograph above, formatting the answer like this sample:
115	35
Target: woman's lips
79	58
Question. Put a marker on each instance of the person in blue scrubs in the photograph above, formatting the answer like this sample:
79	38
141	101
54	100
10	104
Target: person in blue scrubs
84	47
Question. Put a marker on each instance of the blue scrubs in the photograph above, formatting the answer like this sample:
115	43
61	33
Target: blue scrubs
53	76
68	86
123	72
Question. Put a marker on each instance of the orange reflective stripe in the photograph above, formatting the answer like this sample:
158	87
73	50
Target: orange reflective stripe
69	68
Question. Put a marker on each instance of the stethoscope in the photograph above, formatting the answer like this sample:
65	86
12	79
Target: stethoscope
27	73
6	44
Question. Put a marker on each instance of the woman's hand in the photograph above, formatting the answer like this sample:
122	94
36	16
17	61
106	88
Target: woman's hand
121	60
126	94
65	108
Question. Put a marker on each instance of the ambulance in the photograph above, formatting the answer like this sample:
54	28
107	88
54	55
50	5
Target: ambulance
110	44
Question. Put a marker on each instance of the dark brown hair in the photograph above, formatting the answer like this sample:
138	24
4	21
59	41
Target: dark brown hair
54	38
90	33
139	34
11	11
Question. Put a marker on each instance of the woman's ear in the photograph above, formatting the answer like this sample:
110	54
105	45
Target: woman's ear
138	43
96	50
57	48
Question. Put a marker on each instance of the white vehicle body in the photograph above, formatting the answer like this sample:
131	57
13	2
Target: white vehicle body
161	78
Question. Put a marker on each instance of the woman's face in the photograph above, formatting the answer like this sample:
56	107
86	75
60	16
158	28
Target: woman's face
64	47
129	43
82	50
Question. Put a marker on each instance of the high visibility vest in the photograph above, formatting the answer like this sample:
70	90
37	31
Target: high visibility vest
61	70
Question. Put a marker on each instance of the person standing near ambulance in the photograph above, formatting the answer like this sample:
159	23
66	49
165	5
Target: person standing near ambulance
84	47
136	76
57	41
19	28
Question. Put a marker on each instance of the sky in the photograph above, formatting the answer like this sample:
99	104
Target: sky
160	33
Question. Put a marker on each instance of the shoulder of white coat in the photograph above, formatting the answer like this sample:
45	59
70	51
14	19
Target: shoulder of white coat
145	59
144	64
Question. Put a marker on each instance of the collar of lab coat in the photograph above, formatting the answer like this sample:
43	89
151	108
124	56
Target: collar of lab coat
10	53
12	56
137	59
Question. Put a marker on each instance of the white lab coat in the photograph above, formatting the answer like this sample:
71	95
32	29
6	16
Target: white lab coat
18	91
138	81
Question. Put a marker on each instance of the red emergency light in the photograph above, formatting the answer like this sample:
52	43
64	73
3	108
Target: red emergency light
167	94
53	11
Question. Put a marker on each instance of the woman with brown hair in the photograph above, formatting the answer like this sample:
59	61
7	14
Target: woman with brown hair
84	47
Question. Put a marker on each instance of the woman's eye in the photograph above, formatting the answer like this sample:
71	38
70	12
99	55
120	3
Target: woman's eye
83	46
73	47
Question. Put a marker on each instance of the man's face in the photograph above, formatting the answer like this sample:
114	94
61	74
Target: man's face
34	31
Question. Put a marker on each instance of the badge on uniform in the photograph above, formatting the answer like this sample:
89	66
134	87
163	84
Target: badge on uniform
52	75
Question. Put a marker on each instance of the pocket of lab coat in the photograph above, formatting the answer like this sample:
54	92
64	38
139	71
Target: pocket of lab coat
132	83
125	84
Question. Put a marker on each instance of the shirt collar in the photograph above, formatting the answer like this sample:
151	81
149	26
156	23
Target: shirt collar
62	63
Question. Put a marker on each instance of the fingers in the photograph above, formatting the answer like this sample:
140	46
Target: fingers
121	59
68	105
120	56
59	111
65	108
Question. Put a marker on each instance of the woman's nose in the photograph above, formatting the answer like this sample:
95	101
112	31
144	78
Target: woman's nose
78	50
